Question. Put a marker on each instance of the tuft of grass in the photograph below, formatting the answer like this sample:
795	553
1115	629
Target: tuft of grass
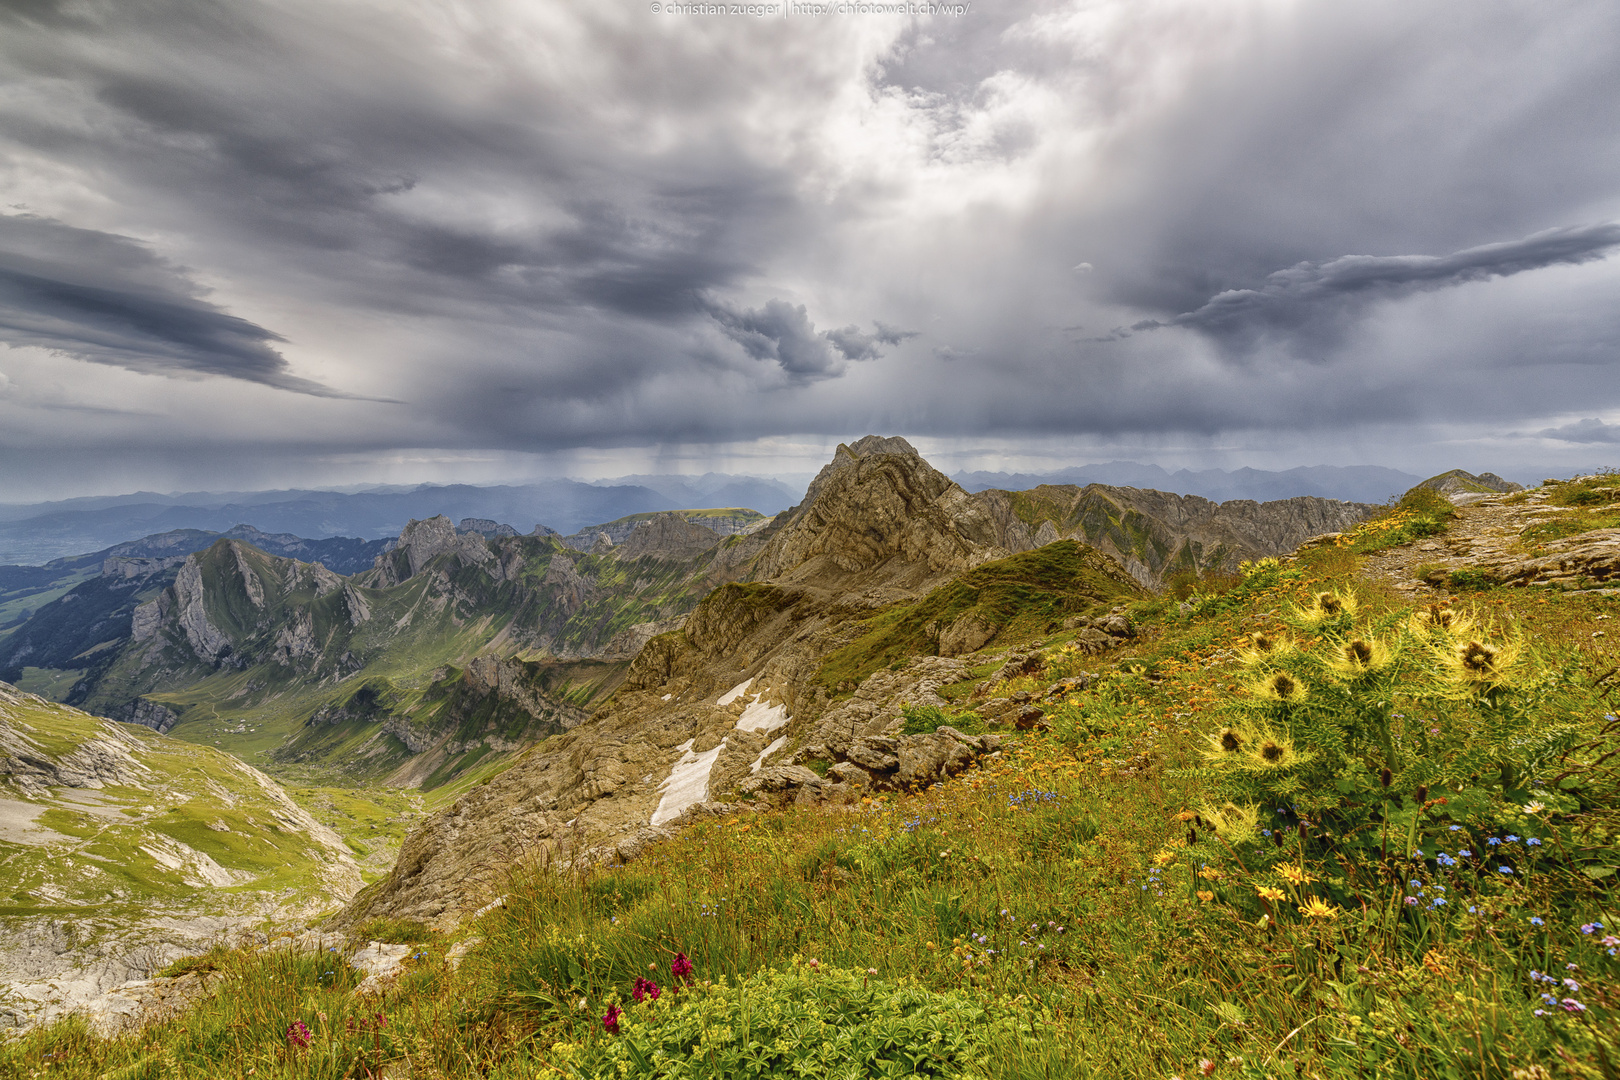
1599	489
927	719
395	931
211	960
1421	512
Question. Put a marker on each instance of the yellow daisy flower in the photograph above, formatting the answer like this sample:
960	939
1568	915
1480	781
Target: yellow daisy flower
1294	874
1315	908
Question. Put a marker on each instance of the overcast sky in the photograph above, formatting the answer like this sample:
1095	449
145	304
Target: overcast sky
271	242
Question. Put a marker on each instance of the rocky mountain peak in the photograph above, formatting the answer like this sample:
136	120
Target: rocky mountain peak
878	501
420	542
1459	482
847	455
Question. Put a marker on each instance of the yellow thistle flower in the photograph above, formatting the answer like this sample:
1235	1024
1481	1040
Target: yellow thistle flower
1209	873
1294	874
1263	648
1359	657
1437	620
1226	741
1479	665
1315	908
1280	686
1234	824
1325	607
1275	752
1270	892
1205	895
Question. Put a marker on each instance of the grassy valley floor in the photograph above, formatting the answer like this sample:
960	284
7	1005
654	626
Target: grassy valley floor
1303	826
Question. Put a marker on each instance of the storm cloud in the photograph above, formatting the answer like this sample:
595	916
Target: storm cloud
1309	298
109	300
306	232
1589	430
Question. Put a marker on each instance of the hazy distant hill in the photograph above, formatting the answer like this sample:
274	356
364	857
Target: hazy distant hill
88	525
1351	483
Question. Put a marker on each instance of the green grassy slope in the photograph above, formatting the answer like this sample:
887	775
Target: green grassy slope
162	825
1022	597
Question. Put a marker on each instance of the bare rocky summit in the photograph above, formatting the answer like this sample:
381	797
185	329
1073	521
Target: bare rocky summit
1486	539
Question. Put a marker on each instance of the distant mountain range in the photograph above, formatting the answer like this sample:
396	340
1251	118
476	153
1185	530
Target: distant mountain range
41	532
38	533
1352	483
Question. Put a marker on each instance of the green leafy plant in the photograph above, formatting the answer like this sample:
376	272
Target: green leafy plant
756	1028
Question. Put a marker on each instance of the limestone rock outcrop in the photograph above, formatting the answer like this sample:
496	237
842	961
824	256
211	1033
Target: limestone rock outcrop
668	536
150	714
1590	558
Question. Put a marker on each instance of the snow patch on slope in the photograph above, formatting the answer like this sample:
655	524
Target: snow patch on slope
688	782
735	692
759	762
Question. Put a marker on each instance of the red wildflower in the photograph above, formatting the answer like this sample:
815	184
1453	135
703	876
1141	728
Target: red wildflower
610	1022
644	988
682	967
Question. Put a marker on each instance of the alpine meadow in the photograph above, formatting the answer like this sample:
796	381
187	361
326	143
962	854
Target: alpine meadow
626	540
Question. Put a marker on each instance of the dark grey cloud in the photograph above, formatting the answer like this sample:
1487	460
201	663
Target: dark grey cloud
1315	299
1590	430
109	300
857	345
309	138
783	332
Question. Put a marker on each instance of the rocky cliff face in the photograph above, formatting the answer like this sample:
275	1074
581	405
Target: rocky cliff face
666	536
